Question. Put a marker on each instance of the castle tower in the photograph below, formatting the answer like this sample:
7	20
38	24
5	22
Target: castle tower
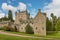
22	20
22	15
40	24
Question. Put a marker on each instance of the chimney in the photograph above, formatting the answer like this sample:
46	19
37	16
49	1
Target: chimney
39	10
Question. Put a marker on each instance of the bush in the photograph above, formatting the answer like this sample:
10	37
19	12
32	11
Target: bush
29	29
1	28
6	28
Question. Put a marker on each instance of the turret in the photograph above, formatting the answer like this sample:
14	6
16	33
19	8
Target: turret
16	13
19	11
39	10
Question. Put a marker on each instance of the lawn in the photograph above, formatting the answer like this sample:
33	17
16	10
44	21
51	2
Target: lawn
53	36
7	37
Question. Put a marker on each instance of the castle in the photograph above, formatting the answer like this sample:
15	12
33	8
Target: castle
38	23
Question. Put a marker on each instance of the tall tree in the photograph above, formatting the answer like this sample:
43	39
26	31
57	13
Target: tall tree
48	24
54	20
58	25
54	23
10	15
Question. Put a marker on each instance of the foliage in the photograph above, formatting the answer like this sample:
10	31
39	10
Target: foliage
52	15
10	15
54	21
48	25
3	19
58	25
6	28
1	28
29	29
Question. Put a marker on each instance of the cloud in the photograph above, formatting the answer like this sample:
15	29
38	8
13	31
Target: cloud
33	12
8	1
1	14
4	6
22	6
30	5
8	7
53	7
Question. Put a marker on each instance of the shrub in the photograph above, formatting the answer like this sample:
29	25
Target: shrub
1	28
6	28
29	29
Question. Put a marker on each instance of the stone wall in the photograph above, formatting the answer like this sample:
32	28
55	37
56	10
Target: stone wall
38	23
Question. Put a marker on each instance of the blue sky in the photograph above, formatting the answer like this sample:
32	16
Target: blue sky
31	5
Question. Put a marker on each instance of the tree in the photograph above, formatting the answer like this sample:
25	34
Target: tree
48	25
29	29
3	19
52	15
58	25
54	20
54	23
10	15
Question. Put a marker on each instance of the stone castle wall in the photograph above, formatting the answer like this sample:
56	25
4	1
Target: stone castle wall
38	23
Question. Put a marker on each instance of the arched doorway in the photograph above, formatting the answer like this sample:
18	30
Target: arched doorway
15	28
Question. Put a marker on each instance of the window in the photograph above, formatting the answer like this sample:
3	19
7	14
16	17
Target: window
32	23
42	28
22	28
15	28
42	22
36	28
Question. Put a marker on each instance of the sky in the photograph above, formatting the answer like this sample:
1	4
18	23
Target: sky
47	6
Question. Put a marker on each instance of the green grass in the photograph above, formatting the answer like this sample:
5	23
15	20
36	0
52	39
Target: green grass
54	35
7	37
20	33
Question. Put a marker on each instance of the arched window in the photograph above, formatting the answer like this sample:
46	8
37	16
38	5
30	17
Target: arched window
15	28
36	28
42	28
22	28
